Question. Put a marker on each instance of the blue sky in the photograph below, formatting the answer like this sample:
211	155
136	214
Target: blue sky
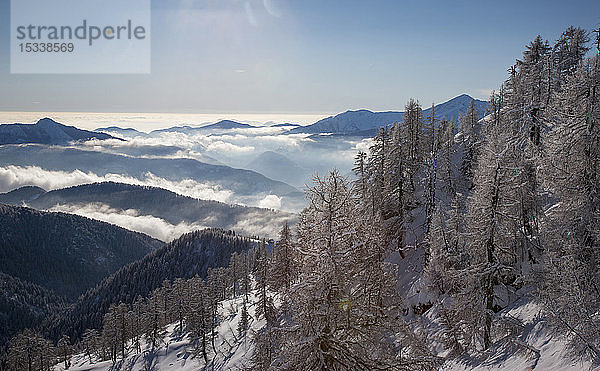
309	56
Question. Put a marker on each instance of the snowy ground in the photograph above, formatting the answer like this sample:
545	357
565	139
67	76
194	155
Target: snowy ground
233	351
534	349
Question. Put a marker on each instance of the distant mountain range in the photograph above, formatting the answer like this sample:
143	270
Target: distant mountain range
243	183
219	126
286	124
362	123
125	132
226	124
46	131
365	122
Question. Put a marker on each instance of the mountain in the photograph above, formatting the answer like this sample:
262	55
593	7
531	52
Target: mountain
284	125
367	121
452	109
277	166
190	255
65	253
221	125
46	131
175	129
227	125
350	121
125	132
247	186
159	203
21	195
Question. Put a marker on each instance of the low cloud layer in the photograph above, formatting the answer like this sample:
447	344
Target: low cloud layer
12	177
253	224
270	202
239	147
130	219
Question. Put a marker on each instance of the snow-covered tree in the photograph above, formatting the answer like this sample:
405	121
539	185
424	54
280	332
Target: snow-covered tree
65	351
90	343
153	318
344	312
569	280
569	51
431	169
29	351
284	265
470	141
264	306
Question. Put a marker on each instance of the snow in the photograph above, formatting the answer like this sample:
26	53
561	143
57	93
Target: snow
536	348
234	351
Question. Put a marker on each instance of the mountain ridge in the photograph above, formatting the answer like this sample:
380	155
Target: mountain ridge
46	131
158	202
190	255
363	120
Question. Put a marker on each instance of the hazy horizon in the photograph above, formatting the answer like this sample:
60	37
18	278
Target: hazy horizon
148	121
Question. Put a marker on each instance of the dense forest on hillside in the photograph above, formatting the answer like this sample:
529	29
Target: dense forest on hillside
192	254
62	252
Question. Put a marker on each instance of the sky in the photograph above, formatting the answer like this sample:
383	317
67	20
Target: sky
304	57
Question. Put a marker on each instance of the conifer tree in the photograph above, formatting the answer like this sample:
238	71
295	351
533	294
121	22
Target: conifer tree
283	270
344	310
569	279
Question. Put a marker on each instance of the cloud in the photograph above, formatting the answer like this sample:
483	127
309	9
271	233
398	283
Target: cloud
130	219
363	145
264	225
220	146
254	224
12	177
485	93
270	202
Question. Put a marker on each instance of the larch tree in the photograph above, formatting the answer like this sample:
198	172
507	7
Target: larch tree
569	279
284	265
344	311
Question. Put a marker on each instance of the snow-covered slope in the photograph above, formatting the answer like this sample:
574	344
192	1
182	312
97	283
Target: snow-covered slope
536	348
234	350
